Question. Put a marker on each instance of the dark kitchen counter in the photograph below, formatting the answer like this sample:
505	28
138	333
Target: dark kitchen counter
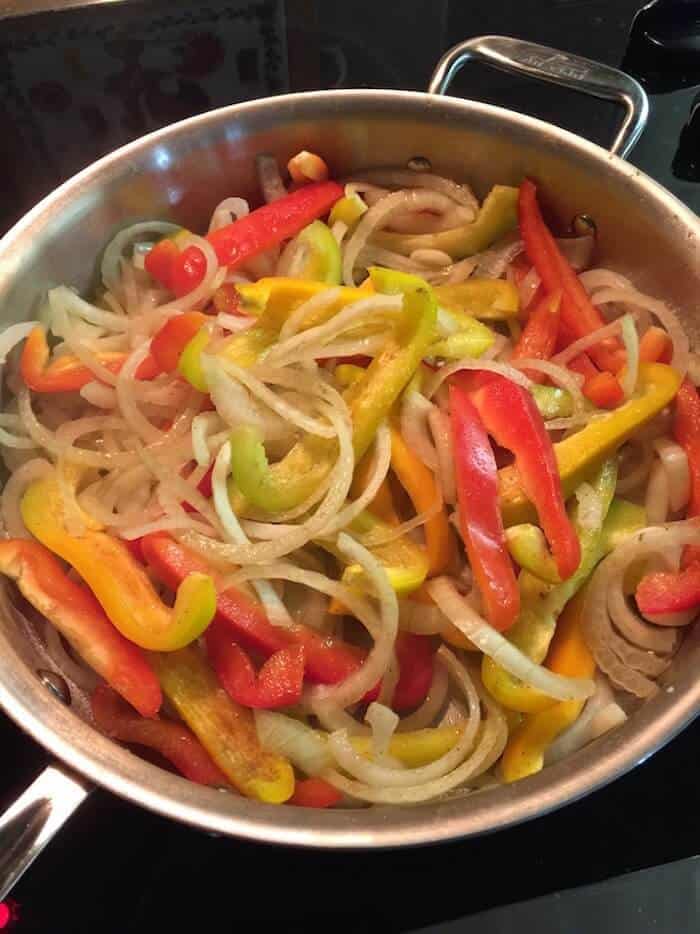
73	85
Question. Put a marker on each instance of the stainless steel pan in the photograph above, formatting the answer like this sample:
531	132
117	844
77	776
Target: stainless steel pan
183	170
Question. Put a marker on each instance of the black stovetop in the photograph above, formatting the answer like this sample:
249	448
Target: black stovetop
73	85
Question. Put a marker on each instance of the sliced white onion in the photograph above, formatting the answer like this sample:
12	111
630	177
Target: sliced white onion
434	701
226	211
657	497
434	382
507	655
114	251
675	464
12	336
590	340
284	736
442	435
383	722
415	409
269	177
630	338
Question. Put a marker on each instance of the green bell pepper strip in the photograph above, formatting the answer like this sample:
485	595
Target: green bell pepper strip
244	349
274	488
498	216
623	519
541	604
320	254
551	401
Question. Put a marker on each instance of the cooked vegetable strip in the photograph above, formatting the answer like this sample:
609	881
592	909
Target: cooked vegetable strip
172	740
67	373
224	728
120	584
326	660
510	416
420	485
580	454
249	236
542	603
479	515
686	430
568	655
292	480
76	614
277	684
539	336
314	793
579	316
484	299
498	216
170	341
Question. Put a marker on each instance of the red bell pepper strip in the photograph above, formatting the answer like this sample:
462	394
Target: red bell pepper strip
188	270
77	615
539	336
227	300
278	683
314	793
326	660
160	259
686	431
603	390
174	336
479	511
248	236
511	417
579	316
584	365
664	592
172	740
67	373
416	657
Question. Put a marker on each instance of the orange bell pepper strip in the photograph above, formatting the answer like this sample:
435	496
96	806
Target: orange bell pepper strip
76	614
119	582
655	346
172	740
67	373
539	336
382	505
579	316
423	491
167	345
225	729
568	655
603	390
315	793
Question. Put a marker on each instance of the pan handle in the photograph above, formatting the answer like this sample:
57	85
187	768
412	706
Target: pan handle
28	824
571	71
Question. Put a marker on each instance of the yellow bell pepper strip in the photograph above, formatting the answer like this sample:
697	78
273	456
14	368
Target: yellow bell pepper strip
552	402
319	254
119	582
568	655
76	614
225	729
291	480
485	299
419	483
68	373
244	349
273	299
382	506
541	605
348	210
528	548
579	455
497	217
468	337
415	747
405	562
